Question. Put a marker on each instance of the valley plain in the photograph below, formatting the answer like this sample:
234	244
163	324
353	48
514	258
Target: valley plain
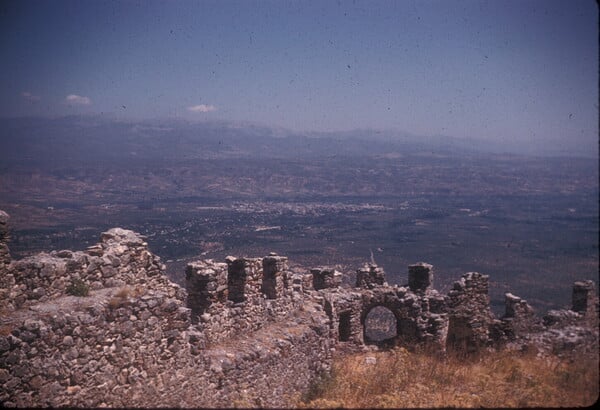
531	223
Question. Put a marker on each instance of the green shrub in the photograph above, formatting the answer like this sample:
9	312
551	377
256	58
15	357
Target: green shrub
78	288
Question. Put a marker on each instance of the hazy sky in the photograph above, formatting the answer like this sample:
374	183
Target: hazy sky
500	70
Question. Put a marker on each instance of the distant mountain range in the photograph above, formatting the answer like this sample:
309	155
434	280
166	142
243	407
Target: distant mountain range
77	139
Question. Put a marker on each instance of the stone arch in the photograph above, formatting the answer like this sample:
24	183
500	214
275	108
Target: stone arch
396	314
407	331
380	325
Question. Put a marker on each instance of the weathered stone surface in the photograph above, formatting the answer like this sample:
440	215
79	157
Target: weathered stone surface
324	278
370	276
246	332
470	317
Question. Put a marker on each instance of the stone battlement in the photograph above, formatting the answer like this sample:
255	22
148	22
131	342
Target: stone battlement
105	326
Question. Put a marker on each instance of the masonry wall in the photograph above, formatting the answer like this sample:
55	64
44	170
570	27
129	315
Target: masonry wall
470	316
246	332
131	341
143	352
121	258
221	317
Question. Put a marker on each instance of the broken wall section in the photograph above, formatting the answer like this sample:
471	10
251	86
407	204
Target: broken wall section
235	297
469	313
120	258
370	276
420	313
138	350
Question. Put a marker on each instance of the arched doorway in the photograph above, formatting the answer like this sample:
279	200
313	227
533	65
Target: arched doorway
380	326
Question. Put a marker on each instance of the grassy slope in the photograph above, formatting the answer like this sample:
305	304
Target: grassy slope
400	379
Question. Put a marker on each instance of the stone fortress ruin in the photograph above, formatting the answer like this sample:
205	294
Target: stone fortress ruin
245	332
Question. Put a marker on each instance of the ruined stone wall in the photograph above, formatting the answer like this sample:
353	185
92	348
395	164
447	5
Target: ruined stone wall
325	277
370	276
131	341
585	300
276	277
117	260
5	259
78	351
519	317
344	310
219	316
421	317
246	332
139	350
470	316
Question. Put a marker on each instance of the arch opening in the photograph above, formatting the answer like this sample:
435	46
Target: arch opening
380	325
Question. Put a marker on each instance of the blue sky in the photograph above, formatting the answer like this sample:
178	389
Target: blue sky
515	72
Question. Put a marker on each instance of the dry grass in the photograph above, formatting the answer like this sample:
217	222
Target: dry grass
400	379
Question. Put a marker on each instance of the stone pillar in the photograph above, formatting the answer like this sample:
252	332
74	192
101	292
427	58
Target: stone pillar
420	277
273	282
516	307
206	284
519	316
583	296
326	278
469	313
369	276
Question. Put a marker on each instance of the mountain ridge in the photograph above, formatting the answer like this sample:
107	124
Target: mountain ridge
97	138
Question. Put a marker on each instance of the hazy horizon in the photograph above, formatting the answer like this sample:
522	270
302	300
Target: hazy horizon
460	145
520	73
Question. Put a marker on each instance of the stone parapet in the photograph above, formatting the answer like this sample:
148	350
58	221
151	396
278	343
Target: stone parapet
370	276
275	276
246	332
206	283
324	278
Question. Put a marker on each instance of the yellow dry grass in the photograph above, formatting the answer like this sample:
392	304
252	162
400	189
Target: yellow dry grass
400	379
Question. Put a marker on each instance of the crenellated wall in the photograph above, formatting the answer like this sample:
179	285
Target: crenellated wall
232	298
131	340
370	276
105	326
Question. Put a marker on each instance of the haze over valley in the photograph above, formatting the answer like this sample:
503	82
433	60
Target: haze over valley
211	189
459	133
